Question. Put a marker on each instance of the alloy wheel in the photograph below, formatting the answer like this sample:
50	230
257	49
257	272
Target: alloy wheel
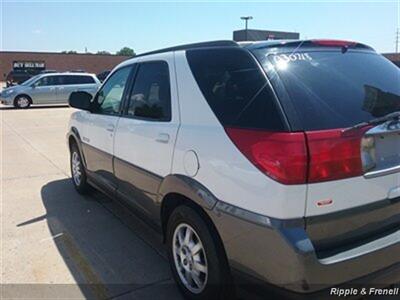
23	102
76	168
190	258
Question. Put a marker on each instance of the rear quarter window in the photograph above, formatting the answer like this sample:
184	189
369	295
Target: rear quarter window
77	79
235	87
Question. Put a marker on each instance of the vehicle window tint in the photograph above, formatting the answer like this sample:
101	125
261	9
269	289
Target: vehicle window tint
235	88
79	79
62	80
151	95
47	81
86	79
30	80
335	89
110	96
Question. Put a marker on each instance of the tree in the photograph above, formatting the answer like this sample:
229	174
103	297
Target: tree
69	52
103	52
126	51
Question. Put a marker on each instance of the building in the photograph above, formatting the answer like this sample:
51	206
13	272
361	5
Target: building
261	35
38	61
393	57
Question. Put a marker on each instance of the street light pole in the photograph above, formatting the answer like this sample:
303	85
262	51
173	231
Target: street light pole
246	19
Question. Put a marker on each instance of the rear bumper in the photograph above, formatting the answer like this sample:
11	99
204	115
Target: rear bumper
371	284
282	254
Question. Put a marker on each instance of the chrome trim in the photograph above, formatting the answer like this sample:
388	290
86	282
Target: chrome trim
382	172
375	245
385	128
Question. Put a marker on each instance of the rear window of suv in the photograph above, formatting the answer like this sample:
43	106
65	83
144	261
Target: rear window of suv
235	88
331	89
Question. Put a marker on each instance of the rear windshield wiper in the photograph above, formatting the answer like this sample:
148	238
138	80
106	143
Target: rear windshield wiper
391	116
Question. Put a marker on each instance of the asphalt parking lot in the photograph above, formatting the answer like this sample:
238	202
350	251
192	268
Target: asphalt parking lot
58	244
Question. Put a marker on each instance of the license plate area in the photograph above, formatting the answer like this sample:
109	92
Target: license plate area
381	150
387	147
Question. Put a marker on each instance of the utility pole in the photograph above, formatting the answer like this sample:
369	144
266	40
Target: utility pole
246	19
397	40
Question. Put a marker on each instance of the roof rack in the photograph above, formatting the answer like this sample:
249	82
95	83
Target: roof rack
309	42
222	43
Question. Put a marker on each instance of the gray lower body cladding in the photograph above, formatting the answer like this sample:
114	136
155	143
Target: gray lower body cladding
336	232
282	253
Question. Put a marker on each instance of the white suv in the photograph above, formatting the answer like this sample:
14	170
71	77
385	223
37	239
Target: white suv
270	162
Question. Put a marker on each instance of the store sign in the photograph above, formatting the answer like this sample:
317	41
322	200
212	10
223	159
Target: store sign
18	65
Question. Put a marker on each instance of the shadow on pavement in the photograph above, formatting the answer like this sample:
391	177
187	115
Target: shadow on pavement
109	252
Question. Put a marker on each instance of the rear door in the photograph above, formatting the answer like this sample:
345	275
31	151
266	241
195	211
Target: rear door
100	127
331	90
146	134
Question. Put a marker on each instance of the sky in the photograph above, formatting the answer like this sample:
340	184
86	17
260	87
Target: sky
148	25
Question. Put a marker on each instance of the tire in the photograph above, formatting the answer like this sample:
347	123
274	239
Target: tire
209	275
78	172
22	102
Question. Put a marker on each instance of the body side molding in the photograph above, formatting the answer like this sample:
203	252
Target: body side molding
188	187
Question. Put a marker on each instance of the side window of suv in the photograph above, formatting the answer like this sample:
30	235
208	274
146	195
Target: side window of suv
151	95
109	98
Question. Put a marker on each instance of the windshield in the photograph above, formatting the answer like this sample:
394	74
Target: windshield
331	89
30	80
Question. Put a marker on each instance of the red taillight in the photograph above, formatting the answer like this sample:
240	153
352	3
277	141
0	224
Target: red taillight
334	43
282	156
334	154
298	157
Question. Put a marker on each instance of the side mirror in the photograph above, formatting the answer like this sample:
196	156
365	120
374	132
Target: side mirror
80	100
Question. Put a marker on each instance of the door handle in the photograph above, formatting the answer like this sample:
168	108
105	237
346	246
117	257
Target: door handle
110	128
163	138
